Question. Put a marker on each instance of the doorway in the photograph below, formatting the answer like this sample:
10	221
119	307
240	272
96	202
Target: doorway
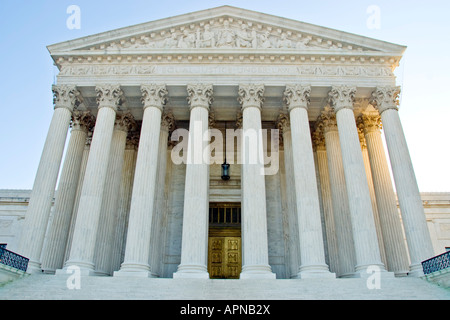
224	241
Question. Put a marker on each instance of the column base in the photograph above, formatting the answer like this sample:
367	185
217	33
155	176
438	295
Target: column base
48	271
84	268
370	270
191	272
404	273
101	273
416	270
73	269
135	270
34	267
257	272
315	272
133	274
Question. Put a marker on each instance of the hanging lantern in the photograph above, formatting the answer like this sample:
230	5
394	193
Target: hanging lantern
225	171
225	165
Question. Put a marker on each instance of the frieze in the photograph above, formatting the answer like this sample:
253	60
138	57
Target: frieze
303	70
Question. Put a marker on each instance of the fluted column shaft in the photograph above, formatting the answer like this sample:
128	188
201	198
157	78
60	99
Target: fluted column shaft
156	249
293	242
108	215
86	226
312	254
341	210
83	165
194	246
58	231
373	200
396	254
255	255
125	192
38	212
413	216
137	250
327	200
367	252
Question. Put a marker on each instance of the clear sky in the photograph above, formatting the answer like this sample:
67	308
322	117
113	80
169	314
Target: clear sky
27	71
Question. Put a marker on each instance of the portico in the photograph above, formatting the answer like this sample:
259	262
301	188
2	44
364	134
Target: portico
126	208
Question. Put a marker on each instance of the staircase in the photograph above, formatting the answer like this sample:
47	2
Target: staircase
54	287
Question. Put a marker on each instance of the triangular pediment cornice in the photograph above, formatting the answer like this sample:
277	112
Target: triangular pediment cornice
225	30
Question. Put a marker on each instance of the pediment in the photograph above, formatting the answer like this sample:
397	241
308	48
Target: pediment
225	29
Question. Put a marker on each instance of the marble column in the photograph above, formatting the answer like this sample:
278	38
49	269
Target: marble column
108	216
137	250
58	231
367	252
125	192
109	98
284	126
167	125
83	165
194	245
327	200
255	255
312	254
376	218
385	99
341	210
391	227
66	98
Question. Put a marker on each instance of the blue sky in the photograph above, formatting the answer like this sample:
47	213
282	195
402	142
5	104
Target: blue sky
28	26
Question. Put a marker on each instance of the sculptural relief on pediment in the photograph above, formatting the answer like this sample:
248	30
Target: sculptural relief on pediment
226	33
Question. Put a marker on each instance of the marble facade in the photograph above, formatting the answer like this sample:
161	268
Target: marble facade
123	207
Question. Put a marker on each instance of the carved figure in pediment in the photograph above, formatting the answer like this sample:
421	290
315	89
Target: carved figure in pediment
244	39
206	39
265	41
187	40
302	43
226	36
171	42
284	42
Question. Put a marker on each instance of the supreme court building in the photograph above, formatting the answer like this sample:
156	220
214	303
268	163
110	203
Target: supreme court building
135	105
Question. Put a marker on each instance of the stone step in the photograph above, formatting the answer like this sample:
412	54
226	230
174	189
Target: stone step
51	287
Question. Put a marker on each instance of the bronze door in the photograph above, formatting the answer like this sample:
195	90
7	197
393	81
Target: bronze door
224	257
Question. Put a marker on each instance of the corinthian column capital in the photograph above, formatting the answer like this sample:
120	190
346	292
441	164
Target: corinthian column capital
168	121
284	126
283	123
251	95
384	98
65	96
200	95
369	122
318	137
125	122
154	95
328	119
341	97
109	96
82	120
297	96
